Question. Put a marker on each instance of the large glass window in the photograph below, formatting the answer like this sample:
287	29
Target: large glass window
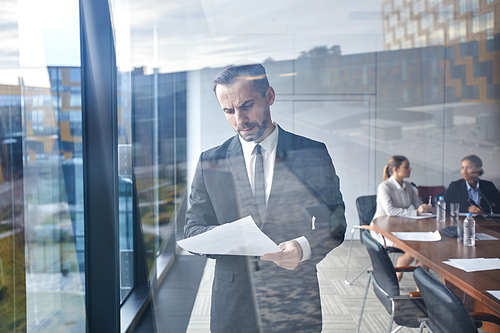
483	22
446	14
468	6
152	147
370	79
41	188
394	82
458	31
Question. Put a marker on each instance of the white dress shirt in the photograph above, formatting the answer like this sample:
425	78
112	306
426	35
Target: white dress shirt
269	146
268	150
394	199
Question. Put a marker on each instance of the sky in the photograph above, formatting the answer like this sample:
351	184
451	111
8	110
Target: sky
212	33
35	34
189	34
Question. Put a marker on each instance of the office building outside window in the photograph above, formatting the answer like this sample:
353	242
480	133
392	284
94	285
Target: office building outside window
41	212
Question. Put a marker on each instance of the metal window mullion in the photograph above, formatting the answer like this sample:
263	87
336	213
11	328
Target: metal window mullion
100	150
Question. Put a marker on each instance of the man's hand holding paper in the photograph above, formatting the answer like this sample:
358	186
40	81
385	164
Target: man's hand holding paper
288	258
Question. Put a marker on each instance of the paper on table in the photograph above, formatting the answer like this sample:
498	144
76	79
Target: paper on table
483	236
495	293
429	236
475	264
241	237
419	217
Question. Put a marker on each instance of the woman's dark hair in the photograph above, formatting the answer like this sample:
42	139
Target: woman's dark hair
253	72
394	162
477	162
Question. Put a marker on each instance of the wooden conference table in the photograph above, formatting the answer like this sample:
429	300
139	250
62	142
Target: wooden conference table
432	254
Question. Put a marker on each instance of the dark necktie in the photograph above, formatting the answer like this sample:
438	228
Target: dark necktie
260	187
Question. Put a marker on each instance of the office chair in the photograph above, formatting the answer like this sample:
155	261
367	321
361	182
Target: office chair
446	313
433	191
366	205
405	310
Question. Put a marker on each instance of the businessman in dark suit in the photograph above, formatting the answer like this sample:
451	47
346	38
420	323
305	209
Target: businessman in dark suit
290	188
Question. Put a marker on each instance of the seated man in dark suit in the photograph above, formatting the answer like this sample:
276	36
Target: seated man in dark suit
277	178
482	192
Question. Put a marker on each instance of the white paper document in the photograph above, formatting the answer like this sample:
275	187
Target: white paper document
419	217
429	236
495	293
475	264
483	236
241	237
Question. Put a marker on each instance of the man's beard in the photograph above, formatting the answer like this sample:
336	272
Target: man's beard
261	129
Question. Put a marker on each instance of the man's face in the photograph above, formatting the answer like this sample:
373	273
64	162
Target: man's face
246	110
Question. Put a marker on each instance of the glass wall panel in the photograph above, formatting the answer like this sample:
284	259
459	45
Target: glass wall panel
152	130
41	187
370	79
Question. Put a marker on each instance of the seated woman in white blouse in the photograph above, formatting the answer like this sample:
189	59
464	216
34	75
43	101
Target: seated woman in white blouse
396	197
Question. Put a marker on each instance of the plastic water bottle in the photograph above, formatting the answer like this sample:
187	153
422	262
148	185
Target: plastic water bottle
469	230
441	210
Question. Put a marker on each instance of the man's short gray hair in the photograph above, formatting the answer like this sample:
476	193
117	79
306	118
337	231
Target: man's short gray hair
253	72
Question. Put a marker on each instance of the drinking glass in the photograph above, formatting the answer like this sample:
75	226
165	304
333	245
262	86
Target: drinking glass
454	209
454	213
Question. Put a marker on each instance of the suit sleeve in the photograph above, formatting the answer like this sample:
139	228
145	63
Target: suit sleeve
415	199
450	193
200	216
493	197
496	201
330	221
455	194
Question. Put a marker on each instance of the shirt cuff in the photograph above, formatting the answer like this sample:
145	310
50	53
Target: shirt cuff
306	248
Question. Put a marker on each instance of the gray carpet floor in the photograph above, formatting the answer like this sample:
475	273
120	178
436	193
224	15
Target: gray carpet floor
341	303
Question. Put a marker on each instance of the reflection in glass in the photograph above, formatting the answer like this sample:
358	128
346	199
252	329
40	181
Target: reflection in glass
12	256
416	77
159	137
53	208
152	153
125	187
41	179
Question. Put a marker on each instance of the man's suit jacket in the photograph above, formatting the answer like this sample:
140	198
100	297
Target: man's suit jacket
250	295
457	192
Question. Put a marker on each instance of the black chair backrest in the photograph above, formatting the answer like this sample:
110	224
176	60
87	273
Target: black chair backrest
385	280
366	204
447	314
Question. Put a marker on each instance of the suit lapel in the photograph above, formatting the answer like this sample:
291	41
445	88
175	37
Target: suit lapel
484	201
237	166
464	192
282	168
